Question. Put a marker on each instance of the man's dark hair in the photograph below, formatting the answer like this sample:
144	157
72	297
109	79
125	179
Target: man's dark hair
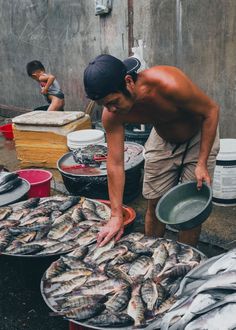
33	66
122	88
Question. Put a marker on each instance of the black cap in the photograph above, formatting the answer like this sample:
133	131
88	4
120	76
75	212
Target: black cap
132	64
104	75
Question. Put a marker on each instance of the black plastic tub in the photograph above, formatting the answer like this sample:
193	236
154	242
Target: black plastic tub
137	136
92	182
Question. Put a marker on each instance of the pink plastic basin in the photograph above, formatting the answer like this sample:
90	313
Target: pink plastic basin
39	180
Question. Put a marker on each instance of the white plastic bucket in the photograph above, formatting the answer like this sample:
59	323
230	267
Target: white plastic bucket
84	137
224	181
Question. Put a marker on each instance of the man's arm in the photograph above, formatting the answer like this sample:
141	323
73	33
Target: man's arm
187	96
49	79
116	177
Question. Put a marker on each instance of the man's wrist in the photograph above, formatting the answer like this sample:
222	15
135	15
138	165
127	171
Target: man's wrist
202	163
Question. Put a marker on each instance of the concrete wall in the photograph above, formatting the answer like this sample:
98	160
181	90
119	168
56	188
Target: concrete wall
199	36
196	35
64	35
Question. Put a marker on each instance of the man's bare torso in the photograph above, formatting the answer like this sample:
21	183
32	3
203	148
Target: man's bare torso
173	125
172	121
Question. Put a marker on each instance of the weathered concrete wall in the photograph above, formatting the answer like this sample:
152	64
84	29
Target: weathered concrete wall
200	38
64	35
197	36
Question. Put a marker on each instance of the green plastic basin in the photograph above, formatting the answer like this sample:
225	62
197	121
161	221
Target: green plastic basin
184	207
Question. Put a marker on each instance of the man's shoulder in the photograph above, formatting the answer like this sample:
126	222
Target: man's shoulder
164	78
160	71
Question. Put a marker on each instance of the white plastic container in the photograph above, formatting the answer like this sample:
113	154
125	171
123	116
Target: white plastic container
84	137
224	181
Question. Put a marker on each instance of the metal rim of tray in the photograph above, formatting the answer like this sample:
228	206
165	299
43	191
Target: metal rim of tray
51	254
84	324
27	188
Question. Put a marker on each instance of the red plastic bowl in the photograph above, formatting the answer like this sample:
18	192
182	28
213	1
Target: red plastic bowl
39	180
7	131
129	212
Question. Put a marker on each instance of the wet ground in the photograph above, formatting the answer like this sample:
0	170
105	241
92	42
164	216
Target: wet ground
21	304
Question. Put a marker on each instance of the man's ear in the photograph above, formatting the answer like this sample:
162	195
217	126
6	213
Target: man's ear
129	83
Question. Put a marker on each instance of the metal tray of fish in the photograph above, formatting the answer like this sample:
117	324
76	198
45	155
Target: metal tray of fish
99	287
49	226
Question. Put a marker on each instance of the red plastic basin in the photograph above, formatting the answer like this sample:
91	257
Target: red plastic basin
128	212
40	181
7	131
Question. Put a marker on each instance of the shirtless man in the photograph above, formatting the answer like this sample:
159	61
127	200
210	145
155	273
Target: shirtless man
185	121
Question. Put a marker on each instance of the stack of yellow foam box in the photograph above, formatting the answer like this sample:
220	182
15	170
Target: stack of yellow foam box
41	136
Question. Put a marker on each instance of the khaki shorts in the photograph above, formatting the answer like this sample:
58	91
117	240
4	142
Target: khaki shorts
162	164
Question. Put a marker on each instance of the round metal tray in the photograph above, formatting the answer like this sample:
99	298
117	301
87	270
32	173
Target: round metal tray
84	324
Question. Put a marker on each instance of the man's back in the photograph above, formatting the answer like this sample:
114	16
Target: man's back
168	99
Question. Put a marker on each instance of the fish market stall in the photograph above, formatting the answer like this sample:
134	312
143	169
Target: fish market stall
36	232
128	283
48	226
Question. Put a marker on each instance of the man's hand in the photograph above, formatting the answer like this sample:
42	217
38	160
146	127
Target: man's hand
202	174
44	90
114	228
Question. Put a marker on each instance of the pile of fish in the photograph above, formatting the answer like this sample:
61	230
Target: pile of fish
88	155
128	283
9	181
51	225
206	297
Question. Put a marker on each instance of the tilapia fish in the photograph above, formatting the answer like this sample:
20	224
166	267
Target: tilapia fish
5	239
107	287
58	218
72	302
6	177
135	277
60	230
119	301
10	185
111	319
136	308
5	212
85	311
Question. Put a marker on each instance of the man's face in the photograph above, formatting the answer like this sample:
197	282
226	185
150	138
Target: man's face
117	103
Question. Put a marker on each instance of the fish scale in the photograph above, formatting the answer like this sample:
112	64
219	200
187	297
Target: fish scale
76	301
119	301
71	274
5	238
136	308
140	266
60	230
85	311
106	287
111	254
149	293
69	286
5	212
108	319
